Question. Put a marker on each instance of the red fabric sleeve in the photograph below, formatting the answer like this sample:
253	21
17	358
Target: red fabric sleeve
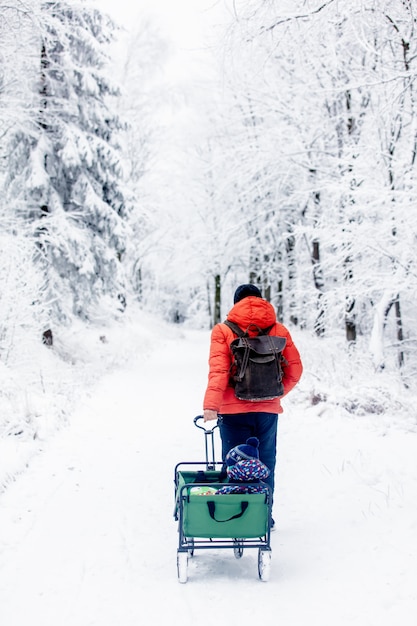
219	366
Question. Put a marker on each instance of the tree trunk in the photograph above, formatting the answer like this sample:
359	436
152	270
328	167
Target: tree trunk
43	87
255	269
138	282
350	306
266	290
209	304
292	272
350	328
400	335
350	314
319	327
47	337
217	299
280	302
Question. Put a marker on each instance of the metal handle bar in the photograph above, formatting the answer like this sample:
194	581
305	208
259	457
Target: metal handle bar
208	434
207	430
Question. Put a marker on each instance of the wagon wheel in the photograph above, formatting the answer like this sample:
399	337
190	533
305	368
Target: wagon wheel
190	543
182	566
264	564
238	548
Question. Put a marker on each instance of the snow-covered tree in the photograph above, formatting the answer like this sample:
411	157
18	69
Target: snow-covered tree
65	171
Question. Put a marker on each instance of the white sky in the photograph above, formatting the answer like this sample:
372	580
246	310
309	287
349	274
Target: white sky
184	20
186	24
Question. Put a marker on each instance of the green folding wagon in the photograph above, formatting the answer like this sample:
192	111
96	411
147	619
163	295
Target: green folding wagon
208	520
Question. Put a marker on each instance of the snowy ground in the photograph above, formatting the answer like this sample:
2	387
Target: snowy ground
87	535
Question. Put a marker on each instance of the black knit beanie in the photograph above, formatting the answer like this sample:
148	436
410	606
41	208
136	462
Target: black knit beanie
243	291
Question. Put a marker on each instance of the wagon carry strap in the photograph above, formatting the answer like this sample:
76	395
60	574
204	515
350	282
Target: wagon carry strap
212	509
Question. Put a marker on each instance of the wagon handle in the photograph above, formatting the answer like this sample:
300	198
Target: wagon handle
208	434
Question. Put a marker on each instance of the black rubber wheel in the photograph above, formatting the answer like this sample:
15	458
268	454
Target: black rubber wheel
190	543
264	564
182	566
238	548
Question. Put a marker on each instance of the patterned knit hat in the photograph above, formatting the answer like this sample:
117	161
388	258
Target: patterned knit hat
244	451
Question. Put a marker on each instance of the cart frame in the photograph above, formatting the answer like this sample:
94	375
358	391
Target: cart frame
189	474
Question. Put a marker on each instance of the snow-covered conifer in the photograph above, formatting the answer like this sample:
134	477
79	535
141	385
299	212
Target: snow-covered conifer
65	171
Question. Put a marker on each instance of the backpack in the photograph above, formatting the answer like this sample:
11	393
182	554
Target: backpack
256	370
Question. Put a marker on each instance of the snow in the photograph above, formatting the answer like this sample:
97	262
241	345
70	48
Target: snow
87	534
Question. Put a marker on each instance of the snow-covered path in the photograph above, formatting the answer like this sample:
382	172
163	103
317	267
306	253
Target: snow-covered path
87	535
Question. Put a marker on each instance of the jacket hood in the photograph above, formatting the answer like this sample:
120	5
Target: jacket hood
252	310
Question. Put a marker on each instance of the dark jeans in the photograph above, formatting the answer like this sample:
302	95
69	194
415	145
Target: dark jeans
237	428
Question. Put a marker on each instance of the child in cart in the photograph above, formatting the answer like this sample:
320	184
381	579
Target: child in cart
243	466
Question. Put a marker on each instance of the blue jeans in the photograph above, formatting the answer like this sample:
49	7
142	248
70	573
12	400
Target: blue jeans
237	428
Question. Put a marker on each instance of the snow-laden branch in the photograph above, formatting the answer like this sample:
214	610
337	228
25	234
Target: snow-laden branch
296	16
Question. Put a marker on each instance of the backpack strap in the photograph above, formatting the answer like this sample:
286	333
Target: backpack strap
236	329
245	333
264	331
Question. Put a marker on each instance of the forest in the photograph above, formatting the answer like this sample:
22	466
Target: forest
291	165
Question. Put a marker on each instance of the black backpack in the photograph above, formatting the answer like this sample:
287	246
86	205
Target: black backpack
256	371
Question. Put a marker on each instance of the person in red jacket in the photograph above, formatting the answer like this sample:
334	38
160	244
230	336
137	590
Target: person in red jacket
240	419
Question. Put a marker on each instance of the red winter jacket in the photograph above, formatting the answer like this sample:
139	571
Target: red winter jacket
220	394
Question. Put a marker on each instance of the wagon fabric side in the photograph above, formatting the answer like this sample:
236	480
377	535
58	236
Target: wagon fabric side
216	516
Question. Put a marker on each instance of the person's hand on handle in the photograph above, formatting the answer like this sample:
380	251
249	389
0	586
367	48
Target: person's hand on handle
210	415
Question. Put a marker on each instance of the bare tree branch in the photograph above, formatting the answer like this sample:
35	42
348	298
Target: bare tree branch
298	17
